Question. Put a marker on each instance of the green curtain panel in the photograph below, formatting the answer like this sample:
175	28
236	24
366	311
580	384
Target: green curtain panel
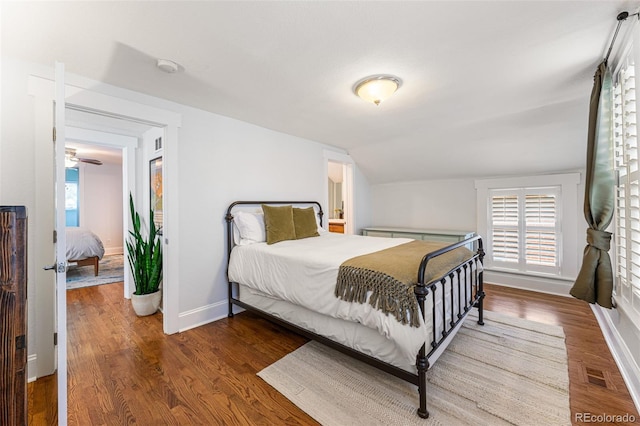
594	283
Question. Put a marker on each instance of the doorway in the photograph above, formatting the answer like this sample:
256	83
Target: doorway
123	146
94	204
144	124
339	192
336	189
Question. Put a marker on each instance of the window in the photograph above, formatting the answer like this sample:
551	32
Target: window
524	229
529	226
627	218
72	201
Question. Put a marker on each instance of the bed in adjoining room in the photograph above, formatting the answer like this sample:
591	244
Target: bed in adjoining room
348	291
84	248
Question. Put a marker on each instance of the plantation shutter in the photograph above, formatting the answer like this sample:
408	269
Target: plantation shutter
525	229
627	222
504	214
541	220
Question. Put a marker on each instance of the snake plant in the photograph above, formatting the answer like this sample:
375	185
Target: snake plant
145	254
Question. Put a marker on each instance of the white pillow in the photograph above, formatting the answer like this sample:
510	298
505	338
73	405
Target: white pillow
251	227
236	235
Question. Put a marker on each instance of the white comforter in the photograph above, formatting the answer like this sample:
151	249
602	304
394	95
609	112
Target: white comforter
82	244
304	272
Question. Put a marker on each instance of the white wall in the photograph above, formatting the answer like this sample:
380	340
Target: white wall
362	199
101	203
223	160
435	204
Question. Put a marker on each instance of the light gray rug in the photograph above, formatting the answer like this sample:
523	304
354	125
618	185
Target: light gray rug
110	270
509	371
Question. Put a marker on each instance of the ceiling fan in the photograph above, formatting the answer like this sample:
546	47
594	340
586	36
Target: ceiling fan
70	157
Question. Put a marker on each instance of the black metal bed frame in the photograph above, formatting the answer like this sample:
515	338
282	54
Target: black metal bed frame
464	273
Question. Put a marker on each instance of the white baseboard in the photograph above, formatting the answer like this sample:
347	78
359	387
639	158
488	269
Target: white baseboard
203	315
621	354
32	368
108	251
541	284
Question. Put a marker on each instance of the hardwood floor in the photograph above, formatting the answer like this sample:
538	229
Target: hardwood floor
123	369
587	351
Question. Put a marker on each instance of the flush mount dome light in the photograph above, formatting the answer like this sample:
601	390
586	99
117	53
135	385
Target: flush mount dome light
377	88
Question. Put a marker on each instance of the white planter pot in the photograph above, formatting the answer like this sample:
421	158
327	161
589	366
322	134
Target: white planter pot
146	304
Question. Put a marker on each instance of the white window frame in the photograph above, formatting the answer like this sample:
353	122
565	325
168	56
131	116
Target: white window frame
520	264
566	208
627	283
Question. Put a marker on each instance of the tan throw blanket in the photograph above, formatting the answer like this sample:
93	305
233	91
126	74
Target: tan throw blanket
391	275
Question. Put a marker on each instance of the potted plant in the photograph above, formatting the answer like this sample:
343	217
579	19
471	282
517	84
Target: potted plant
145	259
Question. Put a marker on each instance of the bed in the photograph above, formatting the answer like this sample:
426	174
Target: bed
84	248
308	285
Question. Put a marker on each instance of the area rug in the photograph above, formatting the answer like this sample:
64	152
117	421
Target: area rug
509	371
111	270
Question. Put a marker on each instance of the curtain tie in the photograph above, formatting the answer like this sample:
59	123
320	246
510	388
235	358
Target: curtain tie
599	239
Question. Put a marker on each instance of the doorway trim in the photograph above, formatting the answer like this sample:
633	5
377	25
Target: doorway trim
348	182
80	96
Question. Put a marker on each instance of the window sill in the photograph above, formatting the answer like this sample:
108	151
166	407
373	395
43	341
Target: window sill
530	274
541	283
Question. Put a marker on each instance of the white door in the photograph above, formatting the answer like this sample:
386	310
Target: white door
61	244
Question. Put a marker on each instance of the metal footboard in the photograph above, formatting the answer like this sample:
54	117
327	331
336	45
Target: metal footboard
468	276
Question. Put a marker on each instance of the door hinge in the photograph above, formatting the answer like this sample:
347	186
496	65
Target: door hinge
55	236
55	339
54	134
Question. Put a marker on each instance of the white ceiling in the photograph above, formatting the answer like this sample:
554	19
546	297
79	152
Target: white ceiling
489	88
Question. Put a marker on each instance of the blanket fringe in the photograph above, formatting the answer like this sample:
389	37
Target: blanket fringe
387	294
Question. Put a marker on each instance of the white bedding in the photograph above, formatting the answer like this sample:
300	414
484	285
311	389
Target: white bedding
82	244
304	273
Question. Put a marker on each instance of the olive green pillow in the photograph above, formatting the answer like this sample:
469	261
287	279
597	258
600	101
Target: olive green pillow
278	223
304	221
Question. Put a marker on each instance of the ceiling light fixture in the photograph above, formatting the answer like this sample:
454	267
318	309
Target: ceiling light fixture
167	66
377	88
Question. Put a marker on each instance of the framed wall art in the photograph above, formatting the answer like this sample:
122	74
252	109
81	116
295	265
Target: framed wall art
155	185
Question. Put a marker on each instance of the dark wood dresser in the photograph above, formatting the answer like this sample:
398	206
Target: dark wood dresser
13	315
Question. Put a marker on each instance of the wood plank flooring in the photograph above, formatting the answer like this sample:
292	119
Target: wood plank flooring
123	369
586	349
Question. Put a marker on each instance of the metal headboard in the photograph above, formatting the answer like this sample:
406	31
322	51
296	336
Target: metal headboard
229	216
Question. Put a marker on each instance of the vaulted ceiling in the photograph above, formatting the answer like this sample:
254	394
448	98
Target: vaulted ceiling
489	88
